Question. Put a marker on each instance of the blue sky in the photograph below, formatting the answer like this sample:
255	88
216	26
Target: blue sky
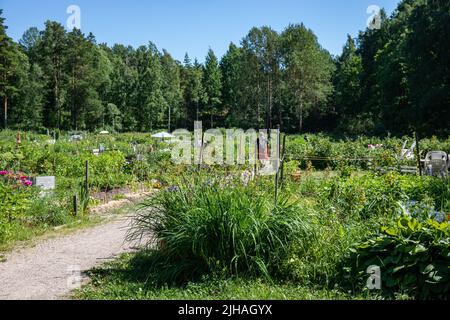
195	25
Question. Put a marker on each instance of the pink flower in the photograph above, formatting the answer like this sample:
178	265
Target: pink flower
3	173
28	183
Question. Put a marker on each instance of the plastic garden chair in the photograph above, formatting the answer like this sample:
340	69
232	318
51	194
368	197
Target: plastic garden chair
437	163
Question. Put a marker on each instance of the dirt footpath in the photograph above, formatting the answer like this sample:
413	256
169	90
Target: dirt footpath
53	267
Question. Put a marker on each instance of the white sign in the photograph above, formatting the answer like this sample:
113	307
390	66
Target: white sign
45	183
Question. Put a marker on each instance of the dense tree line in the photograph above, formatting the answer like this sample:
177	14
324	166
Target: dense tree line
393	79
397	78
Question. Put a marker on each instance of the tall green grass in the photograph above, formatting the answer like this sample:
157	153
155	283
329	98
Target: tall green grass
203	226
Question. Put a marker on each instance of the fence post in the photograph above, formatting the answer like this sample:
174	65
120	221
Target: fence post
277	175
200	157
75	205
282	160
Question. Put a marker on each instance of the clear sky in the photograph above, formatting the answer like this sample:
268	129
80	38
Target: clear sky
193	26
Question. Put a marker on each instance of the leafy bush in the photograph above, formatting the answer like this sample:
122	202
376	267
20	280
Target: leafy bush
363	196
48	211
334	152
14	199
220	227
414	258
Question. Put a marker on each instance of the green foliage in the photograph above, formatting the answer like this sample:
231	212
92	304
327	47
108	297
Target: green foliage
308	72
364	196
395	79
213	85
126	279
83	196
391	79
15	201
46	211
325	151
25	210
414	258
218	227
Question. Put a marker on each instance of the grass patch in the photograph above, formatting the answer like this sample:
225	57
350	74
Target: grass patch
127	279
205	226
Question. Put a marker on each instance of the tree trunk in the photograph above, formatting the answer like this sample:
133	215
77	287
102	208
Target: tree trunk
300	120
212	120
56	92
169	117
268	104
74	111
258	114
5	105
197	111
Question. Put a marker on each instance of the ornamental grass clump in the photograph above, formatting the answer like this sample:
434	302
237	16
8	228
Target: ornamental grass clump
205	226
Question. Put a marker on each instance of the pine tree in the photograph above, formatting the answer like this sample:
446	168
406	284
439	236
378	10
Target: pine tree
347	83
52	59
28	113
84	79
171	88
230	67
9	66
29	43
213	85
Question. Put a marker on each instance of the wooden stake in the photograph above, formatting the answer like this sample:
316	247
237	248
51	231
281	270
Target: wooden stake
200	157
282	159
75	205
277	175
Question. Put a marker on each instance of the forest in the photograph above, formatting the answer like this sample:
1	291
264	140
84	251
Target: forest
388	81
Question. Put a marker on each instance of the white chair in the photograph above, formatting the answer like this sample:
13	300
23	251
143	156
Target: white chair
437	163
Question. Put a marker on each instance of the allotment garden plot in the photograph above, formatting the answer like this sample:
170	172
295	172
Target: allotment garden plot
344	222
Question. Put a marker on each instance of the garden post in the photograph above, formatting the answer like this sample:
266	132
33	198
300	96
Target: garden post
75	205
282	159
277	175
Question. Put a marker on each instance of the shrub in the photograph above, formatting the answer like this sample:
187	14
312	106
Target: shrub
48	211
15	200
364	196
414	258
219	227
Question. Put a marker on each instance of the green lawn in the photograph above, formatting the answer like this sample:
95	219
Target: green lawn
125	279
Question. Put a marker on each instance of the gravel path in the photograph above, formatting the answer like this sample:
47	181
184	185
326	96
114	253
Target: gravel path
53	267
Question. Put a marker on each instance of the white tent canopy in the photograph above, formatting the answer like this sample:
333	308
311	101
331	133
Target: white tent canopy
163	135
